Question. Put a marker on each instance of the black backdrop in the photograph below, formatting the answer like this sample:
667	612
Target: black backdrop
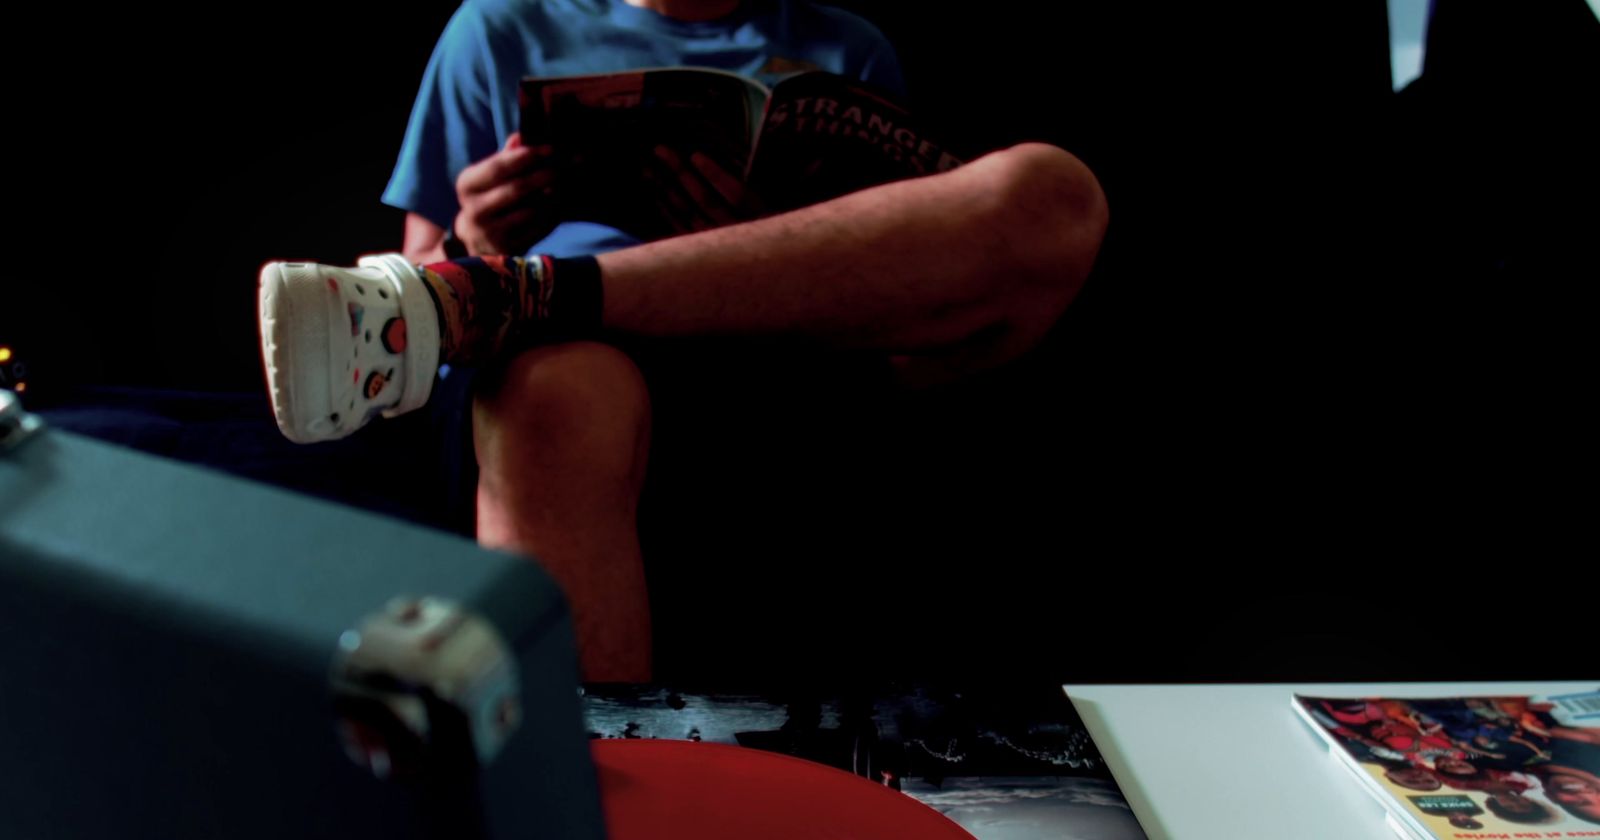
200	140
1330	325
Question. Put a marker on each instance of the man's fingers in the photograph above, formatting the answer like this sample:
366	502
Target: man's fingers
533	183
519	227
719	178
492	171
671	202
712	209
501	167
512	194
517	231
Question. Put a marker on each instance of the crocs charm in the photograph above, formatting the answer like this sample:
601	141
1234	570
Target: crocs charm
394	335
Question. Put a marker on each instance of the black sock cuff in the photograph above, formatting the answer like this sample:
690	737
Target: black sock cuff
577	298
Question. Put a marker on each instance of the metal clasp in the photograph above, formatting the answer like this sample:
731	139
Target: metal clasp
16	425
425	685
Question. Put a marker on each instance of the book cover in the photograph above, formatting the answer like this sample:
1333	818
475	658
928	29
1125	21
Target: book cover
1007	764
1472	767
670	150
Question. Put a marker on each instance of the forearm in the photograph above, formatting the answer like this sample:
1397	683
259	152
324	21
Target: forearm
424	241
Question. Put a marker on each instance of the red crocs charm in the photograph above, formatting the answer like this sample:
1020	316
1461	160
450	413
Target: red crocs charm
394	335
374	386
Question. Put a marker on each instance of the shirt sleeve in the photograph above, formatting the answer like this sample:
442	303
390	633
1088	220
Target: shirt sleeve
882	68
451	125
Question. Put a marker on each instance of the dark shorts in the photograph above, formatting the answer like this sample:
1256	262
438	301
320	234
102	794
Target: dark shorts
802	511
392	467
798	501
742	435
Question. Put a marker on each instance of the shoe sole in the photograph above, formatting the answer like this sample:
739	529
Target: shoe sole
287	316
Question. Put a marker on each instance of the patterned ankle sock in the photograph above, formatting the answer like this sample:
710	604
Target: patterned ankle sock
488	304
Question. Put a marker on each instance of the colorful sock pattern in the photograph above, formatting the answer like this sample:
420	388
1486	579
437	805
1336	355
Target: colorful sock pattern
490	305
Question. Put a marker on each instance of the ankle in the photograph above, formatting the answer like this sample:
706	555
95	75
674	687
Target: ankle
487	306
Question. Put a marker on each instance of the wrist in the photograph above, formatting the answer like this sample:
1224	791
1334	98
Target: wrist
455	248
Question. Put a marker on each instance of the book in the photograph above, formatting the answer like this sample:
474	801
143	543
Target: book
1001	763
647	151
1471	767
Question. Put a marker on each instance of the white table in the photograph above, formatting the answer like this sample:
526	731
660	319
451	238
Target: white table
1234	762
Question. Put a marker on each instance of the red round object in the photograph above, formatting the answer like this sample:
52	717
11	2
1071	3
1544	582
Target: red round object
667	790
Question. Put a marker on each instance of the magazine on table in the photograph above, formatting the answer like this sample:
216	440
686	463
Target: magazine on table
1471	767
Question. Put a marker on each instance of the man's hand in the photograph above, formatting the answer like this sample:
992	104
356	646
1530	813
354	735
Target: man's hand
506	200
698	194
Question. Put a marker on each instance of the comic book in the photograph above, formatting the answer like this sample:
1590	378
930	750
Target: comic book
1471	767
648	151
1002	764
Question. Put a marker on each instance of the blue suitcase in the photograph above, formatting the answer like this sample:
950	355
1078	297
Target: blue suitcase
190	655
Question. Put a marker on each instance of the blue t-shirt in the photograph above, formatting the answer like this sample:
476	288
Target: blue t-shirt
467	105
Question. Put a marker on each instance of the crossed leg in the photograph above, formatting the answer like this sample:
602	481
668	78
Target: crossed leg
948	275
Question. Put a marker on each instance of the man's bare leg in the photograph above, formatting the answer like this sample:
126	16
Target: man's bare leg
963	270
561	442
949	273
959	272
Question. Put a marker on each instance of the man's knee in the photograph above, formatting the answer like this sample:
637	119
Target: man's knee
1044	215
584	397
1049	207
1040	180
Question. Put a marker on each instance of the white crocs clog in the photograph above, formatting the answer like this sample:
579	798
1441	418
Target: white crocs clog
343	345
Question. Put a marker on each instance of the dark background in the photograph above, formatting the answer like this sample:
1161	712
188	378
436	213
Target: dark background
1336	345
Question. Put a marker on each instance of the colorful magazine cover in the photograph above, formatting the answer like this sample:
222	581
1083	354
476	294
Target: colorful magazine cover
1472	767
1003	765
